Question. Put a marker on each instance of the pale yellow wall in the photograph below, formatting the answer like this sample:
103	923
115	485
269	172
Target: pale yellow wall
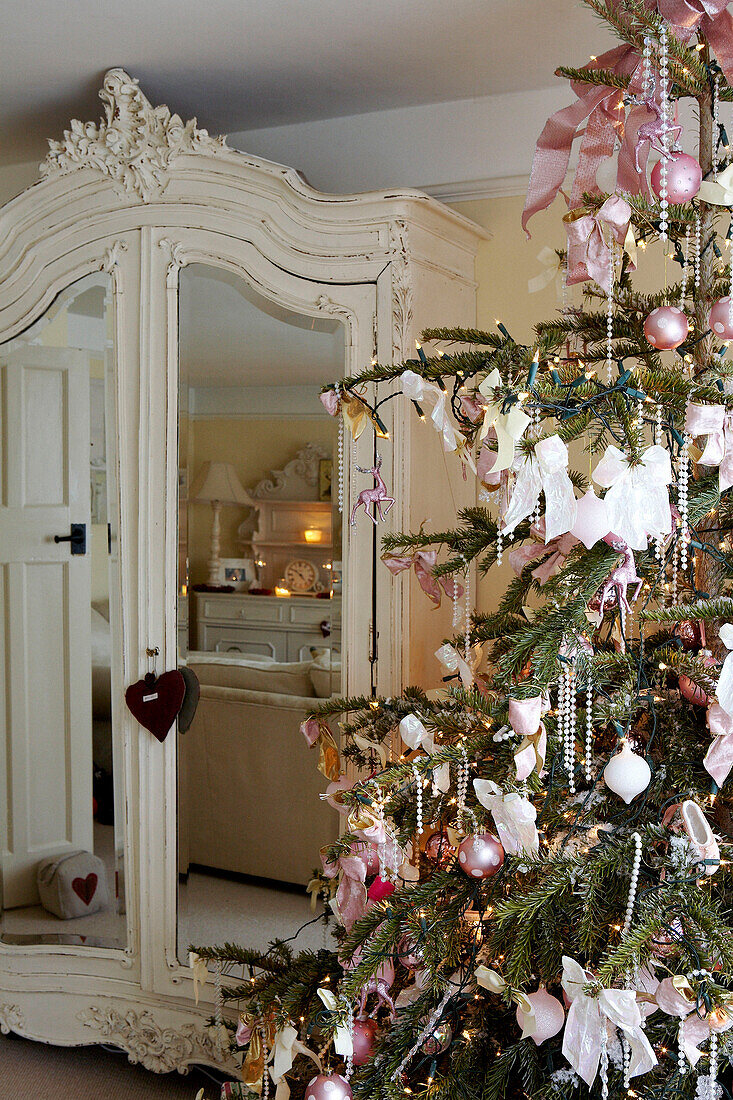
254	447
505	264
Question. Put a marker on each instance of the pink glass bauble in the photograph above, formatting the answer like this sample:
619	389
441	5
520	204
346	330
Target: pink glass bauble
438	1040
438	848
480	856
666	328
369	853
684	176
549	1015
591	521
328	1086
380	889
720	319
365	1032
409	953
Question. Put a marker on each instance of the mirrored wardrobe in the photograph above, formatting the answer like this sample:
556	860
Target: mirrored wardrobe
169	498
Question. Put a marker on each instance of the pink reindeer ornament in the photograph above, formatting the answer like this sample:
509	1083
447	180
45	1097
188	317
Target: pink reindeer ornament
621	576
376	497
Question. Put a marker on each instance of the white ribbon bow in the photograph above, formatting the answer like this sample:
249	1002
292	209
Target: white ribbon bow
637	500
724	690
514	816
509	426
714	422
590	1015
414	734
419	389
200	972
284	1048
452	661
554	268
544	471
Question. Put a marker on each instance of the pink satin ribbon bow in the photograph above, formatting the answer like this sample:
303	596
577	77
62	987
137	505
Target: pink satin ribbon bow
351	896
603	108
590	237
558	550
719	757
710	18
424	562
716	423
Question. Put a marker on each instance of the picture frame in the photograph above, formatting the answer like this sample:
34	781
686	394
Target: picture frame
237	572
325	477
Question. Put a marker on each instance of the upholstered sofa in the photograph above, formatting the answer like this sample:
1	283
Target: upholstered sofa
248	783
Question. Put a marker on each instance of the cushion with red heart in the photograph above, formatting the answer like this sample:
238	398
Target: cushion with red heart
85	888
155	703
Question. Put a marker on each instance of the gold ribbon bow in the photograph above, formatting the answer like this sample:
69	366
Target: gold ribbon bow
253	1067
509	426
355	413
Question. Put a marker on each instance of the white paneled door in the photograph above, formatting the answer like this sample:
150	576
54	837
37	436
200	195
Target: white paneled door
45	661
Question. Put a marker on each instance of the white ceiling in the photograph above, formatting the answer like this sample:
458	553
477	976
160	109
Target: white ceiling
230	336
249	64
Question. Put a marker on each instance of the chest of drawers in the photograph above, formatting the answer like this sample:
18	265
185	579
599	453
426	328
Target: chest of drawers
285	629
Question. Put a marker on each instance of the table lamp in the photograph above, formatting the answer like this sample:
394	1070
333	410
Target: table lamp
218	483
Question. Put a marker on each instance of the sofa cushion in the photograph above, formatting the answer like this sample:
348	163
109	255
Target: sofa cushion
284	678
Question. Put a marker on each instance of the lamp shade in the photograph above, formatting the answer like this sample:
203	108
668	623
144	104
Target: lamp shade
219	481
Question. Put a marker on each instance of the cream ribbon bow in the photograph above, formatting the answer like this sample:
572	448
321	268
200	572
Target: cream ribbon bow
509	426
419	389
284	1048
589	1016
724	690
342	1041
493	981
718	192
637	500
200	972
544	471
514	816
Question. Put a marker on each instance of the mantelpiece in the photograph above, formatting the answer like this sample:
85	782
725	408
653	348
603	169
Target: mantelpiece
139	196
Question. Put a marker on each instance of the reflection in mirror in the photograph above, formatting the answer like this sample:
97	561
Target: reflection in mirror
61	783
259	608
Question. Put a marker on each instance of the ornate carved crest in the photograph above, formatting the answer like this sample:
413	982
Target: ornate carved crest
135	144
288	483
160	1049
402	291
11	1019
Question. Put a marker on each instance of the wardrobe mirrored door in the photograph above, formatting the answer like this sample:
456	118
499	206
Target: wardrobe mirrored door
61	804
259	607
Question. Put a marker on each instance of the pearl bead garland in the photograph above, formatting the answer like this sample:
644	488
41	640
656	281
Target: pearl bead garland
461	788
713	1072
418	799
681	1056
588	761
567	719
683	483
664	104
427	1030
266	1053
350	1056
633	884
340	450
609	313
697	251
716	123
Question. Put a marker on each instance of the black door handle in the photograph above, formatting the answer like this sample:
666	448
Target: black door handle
77	538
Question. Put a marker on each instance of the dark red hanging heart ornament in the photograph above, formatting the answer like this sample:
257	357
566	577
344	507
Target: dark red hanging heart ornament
156	702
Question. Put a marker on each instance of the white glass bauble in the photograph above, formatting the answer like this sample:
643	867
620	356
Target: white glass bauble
627	774
591	521
549	1016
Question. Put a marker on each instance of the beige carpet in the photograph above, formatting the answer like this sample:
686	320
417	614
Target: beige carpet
33	1071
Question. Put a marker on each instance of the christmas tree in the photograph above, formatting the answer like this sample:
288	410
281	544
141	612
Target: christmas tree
531	884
